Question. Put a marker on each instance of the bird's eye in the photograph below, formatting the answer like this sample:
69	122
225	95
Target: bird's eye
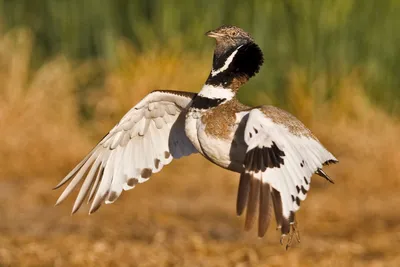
234	34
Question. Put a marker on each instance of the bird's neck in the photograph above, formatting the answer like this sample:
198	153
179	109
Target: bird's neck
230	71
236	66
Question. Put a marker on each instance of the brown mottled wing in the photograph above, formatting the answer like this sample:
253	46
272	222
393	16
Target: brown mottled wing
281	157
148	137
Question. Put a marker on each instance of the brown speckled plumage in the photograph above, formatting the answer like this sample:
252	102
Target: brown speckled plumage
220	121
230	36
237	82
286	119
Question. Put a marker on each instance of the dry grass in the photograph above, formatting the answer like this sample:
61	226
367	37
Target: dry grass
185	215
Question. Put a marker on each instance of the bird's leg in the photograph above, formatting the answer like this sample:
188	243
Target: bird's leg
293	232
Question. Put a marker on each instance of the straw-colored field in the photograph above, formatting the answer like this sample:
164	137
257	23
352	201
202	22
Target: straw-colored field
185	215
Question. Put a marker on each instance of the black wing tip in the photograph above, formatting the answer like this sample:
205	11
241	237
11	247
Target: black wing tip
330	161
323	174
75	210
91	211
57	186
94	208
59	201
97	204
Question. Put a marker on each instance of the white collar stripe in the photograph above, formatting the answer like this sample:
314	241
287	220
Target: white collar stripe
213	92
226	64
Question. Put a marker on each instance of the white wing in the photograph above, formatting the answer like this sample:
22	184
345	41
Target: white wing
148	137
281	157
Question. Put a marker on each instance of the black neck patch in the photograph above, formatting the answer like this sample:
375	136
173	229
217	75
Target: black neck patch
201	102
246	63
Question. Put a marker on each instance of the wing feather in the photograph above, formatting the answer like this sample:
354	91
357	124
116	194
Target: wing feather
86	185
264	217
282	154
243	192
77	178
105	182
96	183
253	200
148	137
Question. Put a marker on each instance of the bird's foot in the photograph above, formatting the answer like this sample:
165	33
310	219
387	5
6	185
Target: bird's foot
292	233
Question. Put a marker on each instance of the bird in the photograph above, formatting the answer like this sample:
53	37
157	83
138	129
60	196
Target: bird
273	153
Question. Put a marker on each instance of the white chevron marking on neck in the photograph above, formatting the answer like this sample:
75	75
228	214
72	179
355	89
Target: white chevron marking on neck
215	92
228	61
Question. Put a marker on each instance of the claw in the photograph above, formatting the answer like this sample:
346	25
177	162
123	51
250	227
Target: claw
282	238
296	232
290	239
293	233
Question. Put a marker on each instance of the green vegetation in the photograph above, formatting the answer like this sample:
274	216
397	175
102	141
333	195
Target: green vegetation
327	40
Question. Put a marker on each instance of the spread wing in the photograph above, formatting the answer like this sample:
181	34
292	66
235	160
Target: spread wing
281	157
148	137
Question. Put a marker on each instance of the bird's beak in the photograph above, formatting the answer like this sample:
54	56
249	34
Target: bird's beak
214	34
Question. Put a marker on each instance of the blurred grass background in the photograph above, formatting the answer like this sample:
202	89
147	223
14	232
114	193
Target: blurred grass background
70	69
325	38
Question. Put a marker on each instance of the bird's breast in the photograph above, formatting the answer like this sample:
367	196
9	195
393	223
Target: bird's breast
218	135
191	127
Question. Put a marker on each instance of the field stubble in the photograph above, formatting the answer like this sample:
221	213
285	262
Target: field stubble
184	216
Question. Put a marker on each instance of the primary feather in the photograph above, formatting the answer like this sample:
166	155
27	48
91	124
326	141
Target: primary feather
148	137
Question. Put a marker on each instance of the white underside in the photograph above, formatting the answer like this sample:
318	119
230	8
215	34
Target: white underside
192	117
218	150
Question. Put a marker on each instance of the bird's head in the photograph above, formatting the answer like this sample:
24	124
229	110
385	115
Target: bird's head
236	57
229	37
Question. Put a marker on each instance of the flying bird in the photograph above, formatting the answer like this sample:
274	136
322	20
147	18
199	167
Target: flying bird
274	153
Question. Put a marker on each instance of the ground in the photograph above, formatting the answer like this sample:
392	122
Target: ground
187	218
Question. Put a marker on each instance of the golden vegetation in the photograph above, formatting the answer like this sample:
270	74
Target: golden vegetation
185	215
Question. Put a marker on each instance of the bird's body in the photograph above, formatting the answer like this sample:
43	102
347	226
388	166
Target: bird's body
274	152
217	133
